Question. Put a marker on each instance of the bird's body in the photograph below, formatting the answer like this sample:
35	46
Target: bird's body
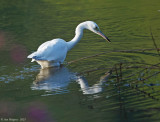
53	53
47	55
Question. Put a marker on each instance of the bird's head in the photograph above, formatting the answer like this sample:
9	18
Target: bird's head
92	26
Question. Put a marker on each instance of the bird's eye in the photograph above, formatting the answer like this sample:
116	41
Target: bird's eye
96	28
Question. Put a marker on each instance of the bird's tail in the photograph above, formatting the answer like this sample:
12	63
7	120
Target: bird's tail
32	56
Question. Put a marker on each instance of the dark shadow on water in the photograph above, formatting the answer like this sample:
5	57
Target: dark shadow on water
148	53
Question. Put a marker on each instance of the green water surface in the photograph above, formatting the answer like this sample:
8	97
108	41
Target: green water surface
33	95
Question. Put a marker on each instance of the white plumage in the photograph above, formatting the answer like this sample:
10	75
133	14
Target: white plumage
53	53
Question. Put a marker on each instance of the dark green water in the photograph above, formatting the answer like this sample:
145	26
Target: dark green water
130	93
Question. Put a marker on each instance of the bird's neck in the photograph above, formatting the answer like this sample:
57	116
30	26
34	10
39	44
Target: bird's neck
74	41
78	35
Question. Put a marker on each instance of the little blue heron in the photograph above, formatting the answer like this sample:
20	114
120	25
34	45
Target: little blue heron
53	53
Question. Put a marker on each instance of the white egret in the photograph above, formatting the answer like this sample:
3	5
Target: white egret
53	53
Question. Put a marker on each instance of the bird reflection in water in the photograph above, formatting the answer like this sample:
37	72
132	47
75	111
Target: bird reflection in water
56	80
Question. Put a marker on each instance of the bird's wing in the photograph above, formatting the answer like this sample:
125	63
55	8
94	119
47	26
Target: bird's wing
51	50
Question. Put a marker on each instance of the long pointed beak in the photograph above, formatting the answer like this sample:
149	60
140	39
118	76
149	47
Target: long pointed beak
105	37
